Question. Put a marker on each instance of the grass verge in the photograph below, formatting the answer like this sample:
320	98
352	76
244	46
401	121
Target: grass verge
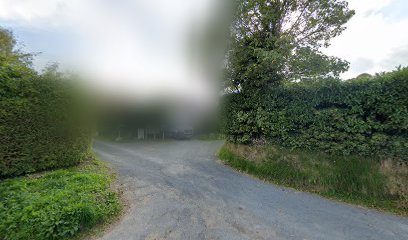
57	204
211	137
366	182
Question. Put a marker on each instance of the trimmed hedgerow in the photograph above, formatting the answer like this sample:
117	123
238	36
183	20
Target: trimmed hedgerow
367	117
41	125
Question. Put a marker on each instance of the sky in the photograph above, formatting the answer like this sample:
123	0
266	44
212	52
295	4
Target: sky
127	47
142	44
376	38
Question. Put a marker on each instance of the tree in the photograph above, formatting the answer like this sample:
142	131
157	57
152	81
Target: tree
13	62
273	40
364	76
7	42
9	51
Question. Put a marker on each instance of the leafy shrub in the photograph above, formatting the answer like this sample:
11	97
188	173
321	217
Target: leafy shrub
367	117
57	204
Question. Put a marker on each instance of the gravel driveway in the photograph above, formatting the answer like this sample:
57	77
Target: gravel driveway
177	190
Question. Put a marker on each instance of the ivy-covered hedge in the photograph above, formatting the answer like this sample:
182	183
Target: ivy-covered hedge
367	117
41	125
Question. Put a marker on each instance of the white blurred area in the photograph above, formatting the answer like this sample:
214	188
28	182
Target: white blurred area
139	50
143	49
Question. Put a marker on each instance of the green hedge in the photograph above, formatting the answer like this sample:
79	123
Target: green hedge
367	117
41	126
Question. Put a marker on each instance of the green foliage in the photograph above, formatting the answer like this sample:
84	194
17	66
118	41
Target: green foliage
39	126
367	117
281	39
42	125
351	179
10	55
56	205
364	76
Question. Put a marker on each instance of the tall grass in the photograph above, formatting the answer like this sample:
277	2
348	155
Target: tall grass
351	179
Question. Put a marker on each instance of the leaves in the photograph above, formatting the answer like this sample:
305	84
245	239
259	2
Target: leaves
42	123
56	205
277	40
366	117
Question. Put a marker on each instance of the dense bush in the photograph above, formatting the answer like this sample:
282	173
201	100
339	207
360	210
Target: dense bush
367	116
58	204
41	125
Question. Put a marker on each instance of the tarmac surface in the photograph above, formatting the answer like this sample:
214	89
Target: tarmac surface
178	190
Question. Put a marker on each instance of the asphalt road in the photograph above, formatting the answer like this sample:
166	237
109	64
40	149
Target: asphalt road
177	190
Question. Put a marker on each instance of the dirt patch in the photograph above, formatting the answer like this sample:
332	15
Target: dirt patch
396	172
251	153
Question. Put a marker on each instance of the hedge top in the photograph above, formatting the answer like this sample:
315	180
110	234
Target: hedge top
366	116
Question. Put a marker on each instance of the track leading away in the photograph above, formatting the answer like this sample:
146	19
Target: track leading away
177	190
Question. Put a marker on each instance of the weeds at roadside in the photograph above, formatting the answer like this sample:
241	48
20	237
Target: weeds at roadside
356	180
57	204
